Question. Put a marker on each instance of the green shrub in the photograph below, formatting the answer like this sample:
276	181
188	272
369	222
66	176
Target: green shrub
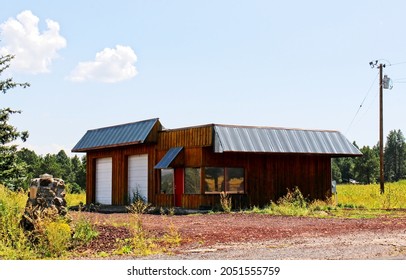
84	232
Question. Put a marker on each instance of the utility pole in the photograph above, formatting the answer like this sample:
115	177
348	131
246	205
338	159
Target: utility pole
384	83
381	174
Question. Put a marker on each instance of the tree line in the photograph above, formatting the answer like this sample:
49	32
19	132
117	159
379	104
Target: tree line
25	165
71	169
365	169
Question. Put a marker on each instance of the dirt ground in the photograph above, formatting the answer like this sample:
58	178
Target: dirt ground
258	236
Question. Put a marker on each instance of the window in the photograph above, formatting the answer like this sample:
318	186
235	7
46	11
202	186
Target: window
214	179
192	180
167	181
235	180
218	179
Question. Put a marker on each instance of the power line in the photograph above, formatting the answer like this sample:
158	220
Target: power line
404	62
362	103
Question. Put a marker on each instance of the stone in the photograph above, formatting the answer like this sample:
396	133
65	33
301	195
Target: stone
46	195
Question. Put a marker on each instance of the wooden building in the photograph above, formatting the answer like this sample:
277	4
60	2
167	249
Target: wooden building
189	167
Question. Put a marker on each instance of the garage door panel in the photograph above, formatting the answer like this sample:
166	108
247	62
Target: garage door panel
104	180
138	176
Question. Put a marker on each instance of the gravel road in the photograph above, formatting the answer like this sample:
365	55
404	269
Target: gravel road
256	236
364	246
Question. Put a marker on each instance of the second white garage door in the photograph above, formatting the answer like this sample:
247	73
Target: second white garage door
103	180
138	176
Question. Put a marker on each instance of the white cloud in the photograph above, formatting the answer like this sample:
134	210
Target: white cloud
109	66
34	51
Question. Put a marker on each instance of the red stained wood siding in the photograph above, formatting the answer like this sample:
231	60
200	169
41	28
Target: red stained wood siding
120	171
267	176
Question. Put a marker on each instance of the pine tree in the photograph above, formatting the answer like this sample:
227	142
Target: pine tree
395	156
12	170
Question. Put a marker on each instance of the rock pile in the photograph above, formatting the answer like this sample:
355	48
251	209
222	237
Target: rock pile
45	198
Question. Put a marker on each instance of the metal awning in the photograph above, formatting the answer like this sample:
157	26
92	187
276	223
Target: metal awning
170	155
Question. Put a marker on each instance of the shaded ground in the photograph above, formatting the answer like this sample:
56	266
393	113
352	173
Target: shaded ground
257	236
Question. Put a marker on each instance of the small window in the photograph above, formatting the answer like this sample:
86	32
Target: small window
167	181
214	179
235	180
192	180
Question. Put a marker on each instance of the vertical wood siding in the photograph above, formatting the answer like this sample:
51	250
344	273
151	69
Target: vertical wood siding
120	171
268	176
188	137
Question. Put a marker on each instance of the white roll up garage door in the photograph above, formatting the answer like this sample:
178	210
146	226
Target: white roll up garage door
104	180
138	176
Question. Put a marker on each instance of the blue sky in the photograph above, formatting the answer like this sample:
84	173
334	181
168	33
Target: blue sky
301	64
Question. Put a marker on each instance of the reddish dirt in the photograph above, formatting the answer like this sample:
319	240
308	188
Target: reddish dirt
203	231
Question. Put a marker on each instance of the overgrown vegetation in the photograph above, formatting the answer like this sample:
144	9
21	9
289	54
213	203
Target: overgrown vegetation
52	236
142	242
357	201
57	238
369	197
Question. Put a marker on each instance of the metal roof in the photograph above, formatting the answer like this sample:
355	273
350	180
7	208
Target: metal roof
281	140
124	134
170	155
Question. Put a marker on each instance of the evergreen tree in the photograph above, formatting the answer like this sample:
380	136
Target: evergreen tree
12	170
343	169
79	171
395	156
65	166
366	168
50	165
32	162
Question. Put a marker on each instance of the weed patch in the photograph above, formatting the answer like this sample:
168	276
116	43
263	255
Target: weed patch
369	196
225	201
51	236
143	243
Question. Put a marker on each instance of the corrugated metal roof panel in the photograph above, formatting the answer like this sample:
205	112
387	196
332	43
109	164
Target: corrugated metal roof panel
170	155
124	134
280	140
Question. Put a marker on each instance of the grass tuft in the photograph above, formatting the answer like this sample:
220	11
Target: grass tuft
225	201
